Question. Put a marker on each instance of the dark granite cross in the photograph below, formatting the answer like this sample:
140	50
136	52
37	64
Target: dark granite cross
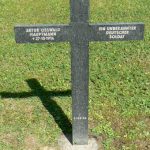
79	33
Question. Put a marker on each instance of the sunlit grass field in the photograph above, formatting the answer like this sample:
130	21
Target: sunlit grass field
35	79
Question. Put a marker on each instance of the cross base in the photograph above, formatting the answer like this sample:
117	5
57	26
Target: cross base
64	144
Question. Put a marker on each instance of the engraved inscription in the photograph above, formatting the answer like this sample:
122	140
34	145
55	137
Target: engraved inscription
80	118
43	34
117	32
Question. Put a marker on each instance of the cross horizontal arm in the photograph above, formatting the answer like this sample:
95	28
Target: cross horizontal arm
42	33
116	32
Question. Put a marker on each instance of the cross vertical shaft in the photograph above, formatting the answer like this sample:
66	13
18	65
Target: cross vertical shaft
80	70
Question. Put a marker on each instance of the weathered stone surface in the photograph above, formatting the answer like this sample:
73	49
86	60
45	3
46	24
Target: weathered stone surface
64	144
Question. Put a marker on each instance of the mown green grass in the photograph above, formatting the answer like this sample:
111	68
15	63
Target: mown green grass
119	104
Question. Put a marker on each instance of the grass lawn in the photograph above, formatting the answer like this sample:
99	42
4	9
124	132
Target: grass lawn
35	82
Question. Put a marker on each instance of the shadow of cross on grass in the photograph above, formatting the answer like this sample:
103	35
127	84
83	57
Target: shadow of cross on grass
46	98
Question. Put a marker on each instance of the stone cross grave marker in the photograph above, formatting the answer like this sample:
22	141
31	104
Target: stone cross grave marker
79	33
